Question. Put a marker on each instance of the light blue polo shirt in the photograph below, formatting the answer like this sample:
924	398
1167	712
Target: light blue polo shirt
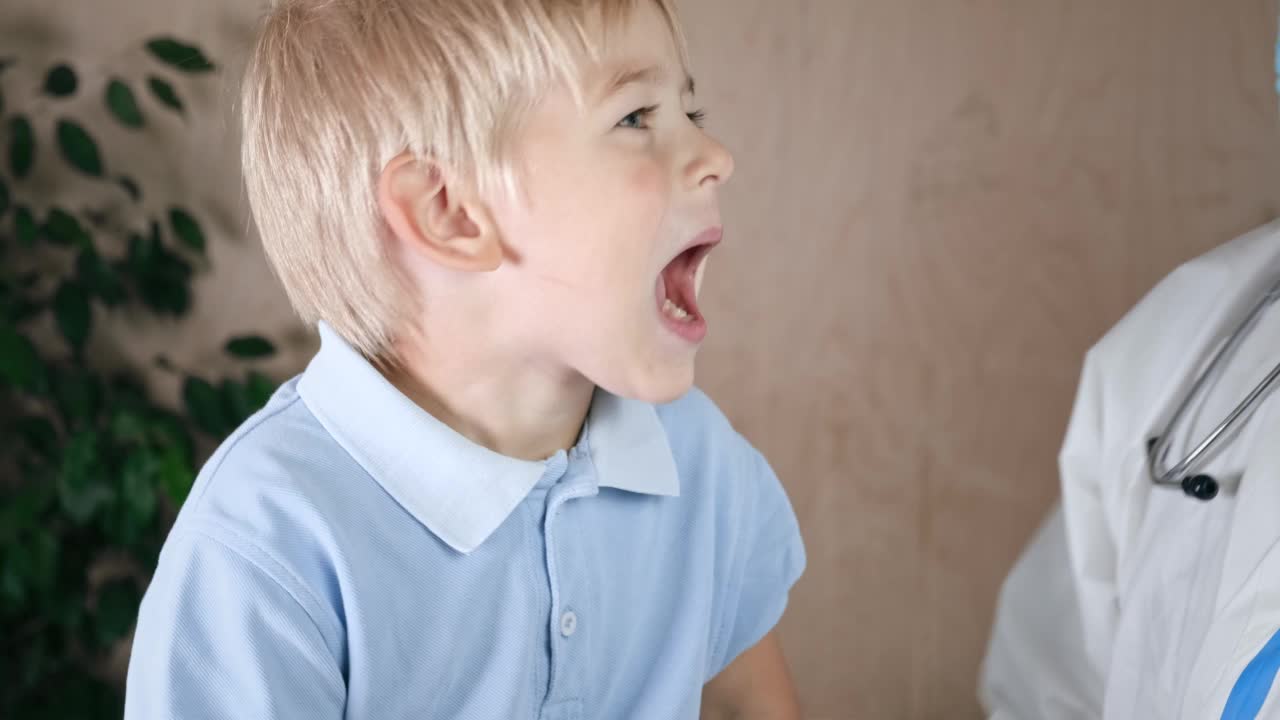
346	555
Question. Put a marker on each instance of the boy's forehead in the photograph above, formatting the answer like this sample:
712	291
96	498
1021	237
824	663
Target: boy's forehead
613	77
637	47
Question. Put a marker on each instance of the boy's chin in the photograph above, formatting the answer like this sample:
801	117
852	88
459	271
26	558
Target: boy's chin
657	386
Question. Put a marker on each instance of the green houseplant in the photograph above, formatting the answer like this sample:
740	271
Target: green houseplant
92	468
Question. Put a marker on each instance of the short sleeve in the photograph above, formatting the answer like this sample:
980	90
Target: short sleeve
220	636
770	560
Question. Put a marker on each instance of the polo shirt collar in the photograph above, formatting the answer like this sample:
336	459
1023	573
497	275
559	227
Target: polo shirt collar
459	490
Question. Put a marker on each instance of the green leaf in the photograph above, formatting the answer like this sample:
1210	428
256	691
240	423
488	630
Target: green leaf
61	81
22	146
121	524
13	576
79	455
75	563
164	294
176	475
26	509
138	485
205	407
21	309
24	226
122	104
78	148
245	399
4	197
163	279
72	311
186	228
187	58
78	695
165	93
66	608
13	591
64	229
250	346
116	610
78	394
43	662
128	391
169	432
261	388
127	426
20	365
99	278
130	186
44	559
236	401
81	489
39	435
142	254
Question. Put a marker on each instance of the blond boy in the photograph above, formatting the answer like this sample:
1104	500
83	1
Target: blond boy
493	493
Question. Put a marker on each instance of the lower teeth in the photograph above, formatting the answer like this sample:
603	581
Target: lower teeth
674	310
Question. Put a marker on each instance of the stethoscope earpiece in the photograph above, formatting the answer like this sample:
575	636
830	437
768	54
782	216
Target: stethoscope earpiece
1200	487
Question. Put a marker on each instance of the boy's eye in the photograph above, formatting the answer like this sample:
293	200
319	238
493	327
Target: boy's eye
636	119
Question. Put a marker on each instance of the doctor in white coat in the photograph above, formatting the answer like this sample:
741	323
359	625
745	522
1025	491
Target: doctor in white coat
1138	601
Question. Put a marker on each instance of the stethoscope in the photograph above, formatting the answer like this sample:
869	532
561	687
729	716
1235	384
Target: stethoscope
1200	485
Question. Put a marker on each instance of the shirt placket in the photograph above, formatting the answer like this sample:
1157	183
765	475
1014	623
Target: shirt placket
568	620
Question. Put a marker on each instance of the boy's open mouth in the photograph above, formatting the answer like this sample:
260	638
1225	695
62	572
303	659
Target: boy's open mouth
677	287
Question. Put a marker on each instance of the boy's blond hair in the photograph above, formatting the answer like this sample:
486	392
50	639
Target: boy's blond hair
335	89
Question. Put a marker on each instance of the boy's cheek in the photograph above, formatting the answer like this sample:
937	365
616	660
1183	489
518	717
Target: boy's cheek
646	179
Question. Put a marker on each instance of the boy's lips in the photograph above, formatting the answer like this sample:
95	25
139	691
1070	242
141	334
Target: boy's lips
709	237
677	287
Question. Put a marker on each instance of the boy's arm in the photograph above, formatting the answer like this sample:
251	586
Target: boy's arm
226	632
748	675
755	686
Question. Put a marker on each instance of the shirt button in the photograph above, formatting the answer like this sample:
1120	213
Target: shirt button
568	624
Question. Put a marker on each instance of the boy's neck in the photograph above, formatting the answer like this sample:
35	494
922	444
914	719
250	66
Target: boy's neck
512	408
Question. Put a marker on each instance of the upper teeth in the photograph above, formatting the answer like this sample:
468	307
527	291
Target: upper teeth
674	310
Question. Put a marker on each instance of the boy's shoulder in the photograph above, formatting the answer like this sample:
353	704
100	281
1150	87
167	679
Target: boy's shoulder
279	472
705	444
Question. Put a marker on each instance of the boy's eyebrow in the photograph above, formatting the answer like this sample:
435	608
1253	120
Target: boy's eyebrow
648	75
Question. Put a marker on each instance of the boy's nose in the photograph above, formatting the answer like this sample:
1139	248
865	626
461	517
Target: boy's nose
712	164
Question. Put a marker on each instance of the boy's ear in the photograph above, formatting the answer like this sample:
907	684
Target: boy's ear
429	216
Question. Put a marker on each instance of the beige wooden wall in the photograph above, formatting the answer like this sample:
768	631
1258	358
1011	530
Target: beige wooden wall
939	205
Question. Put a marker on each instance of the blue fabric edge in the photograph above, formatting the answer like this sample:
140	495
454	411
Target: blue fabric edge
1254	684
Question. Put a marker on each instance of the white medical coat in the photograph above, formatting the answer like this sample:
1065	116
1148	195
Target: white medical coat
1135	602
